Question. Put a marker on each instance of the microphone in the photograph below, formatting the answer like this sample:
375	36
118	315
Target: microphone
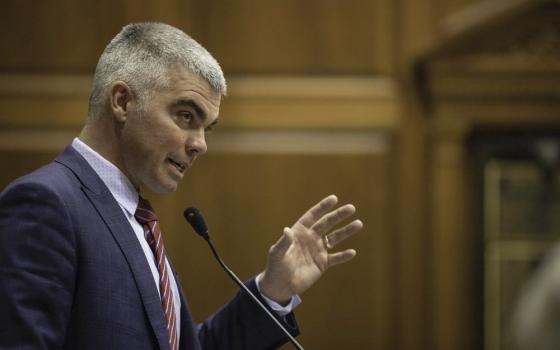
196	220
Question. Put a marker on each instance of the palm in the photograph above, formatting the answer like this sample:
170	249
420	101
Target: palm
300	257
306	260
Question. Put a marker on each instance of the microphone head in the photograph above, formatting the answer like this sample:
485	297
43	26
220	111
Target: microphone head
195	218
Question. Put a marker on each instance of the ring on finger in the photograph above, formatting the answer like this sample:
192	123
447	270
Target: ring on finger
327	242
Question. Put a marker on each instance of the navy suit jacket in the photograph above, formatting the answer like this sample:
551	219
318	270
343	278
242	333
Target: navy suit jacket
73	274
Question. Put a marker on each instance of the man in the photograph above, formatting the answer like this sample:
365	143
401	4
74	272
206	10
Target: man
82	260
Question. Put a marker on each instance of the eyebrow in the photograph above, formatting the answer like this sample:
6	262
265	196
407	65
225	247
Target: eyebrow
214	122
190	103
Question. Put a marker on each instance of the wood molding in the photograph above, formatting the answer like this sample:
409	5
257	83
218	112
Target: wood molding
300	142
311	103
345	102
227	141
484	13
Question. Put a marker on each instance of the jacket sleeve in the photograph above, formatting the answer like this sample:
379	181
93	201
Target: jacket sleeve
241	324
37	267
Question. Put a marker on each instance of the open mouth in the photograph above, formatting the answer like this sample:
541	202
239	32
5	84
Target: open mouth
179	166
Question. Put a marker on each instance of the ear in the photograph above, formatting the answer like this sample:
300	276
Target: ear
121	96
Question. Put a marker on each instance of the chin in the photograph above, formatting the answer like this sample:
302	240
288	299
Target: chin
162	188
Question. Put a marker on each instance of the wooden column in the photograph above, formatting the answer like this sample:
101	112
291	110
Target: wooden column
453	252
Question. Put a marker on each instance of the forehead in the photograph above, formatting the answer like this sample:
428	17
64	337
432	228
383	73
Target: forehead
187	86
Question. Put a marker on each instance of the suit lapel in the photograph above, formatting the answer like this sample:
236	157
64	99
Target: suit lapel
120	228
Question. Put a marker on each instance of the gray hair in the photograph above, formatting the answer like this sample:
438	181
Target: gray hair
141	55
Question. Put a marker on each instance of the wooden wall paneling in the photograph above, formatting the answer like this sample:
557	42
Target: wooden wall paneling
343	102
253	102
412	328
501	84
446	8
22	161
38	36
43	101
413	321
42	111
183	14
385	38
423	25
333	37
416	31
292	37
454	261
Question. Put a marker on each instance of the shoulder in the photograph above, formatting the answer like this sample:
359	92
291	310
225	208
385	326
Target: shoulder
37	215
53	178
49	180
48	191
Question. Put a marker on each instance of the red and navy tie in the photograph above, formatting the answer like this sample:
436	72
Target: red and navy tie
146	216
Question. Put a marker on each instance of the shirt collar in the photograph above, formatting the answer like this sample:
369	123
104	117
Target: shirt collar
118	184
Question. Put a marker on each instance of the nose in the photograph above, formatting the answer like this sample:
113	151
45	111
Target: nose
196	143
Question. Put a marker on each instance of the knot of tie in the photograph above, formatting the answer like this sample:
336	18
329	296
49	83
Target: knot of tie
144	212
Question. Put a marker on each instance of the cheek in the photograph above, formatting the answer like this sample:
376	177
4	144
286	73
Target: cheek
169	140
135	140
161	131
136	149
152	139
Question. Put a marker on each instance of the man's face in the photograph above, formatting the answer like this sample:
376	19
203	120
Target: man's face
160	143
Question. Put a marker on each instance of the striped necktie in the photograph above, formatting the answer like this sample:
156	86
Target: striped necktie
146	216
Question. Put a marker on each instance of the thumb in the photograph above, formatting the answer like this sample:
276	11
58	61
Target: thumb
281	246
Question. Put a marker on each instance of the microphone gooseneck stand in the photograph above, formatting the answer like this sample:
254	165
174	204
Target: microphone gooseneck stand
196	220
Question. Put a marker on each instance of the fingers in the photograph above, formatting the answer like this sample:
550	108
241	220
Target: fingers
281	246
328	221
318	210
340	257
341	234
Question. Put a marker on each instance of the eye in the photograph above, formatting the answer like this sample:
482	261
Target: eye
186	117
208	129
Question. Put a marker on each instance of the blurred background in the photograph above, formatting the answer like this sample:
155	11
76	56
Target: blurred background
438	119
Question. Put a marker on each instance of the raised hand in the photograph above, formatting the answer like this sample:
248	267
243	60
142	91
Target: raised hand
301	256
